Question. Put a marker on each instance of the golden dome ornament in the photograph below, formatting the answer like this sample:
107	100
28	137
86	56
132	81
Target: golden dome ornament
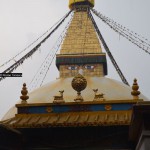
98	96
24	97
135	87
79	83
72	3
59	99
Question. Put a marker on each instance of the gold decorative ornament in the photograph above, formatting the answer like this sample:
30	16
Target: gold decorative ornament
49	109
60	98
24	93
79	83
98	97
108	107
74	2
70	119
135	93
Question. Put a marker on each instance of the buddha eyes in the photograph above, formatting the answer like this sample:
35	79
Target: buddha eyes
88	67
72	67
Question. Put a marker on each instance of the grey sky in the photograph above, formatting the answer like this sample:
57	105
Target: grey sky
22	21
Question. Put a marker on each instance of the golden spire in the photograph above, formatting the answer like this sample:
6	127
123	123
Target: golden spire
135	93
81	46
81	37
24	93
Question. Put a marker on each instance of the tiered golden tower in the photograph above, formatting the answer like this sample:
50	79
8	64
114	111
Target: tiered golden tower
81	47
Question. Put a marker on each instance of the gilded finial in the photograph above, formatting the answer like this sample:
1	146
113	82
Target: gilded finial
98	97
79	83
59	99
73	3
24	93
135	93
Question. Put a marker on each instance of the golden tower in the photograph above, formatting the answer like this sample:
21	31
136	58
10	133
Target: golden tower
81	48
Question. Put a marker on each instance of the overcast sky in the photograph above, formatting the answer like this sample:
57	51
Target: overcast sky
22	21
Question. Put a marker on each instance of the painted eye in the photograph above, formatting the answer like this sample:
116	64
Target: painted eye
72	67
89	67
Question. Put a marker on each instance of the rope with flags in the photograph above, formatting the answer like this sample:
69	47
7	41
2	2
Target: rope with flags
40	75
31	52
131	36
108	51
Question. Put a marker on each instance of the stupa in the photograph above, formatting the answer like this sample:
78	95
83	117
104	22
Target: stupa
82	108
